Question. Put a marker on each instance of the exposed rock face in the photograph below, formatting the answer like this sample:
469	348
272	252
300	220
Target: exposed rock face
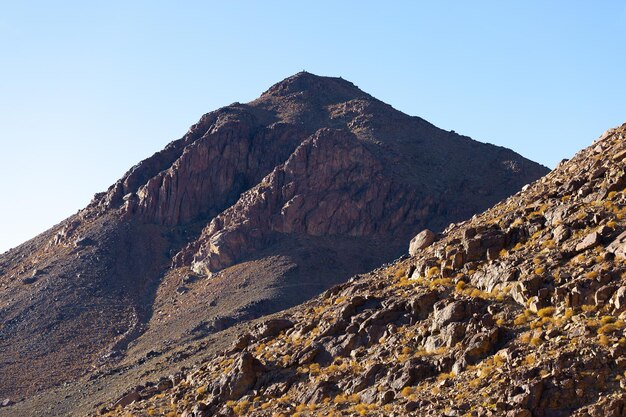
498	317
331	185
258	207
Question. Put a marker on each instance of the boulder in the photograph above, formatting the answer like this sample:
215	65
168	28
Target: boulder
481	344
618	246
455	311
127	399
618	300
591	240
272	327
422	240
561	234
241	379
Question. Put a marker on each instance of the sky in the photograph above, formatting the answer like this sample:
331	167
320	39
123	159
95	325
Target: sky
88	89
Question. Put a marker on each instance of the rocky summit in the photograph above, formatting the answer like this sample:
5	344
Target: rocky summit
262	206
519	311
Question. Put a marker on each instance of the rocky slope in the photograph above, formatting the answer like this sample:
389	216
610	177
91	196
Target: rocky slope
518	312
260	206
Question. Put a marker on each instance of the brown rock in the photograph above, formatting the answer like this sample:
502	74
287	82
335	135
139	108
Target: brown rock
618	246
127	399
561	234
272	327
455	311
591	240
422	240
481	344
619	299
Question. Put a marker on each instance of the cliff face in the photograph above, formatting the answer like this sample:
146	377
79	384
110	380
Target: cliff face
518	312
258	207
331	185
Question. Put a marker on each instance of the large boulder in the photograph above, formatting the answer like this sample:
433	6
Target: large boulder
422	240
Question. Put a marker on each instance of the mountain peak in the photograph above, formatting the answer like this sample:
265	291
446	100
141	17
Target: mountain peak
314	86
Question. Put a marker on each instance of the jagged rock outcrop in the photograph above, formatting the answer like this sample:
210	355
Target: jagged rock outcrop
331	185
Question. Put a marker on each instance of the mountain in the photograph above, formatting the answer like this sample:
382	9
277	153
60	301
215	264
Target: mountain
258	207
519	311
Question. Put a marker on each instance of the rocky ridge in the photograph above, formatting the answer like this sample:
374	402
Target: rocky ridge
519	311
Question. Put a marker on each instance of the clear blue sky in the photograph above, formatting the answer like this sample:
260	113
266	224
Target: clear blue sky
87	89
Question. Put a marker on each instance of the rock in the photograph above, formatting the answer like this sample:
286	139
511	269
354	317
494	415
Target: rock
523	290
411	406
127	399
241	379
480	345
618	246
455	311
6	402
591	240
272	327
618	301
561	234
422	240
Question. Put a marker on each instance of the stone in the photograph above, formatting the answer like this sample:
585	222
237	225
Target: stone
241	378
561	234
618	300
421	241
455	311
590	241
127	399
272	327
618	246
411	406
480	345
